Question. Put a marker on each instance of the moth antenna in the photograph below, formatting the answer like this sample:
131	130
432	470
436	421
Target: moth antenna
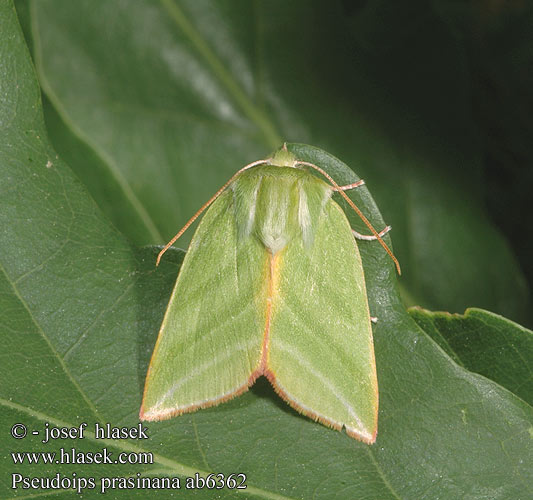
205	206
339	189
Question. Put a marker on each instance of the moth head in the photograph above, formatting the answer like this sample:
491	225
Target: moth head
283	158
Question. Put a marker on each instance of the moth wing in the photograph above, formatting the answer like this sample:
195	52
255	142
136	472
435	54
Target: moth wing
321	354
210	342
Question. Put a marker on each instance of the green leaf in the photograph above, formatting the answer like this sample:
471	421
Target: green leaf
484	343
81	309
173	96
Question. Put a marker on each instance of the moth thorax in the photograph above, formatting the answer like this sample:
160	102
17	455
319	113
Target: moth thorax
280	205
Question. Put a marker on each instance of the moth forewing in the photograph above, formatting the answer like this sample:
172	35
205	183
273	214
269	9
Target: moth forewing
321	356
210	340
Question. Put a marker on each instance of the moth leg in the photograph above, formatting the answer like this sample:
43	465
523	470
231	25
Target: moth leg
370	237
373	319
353	185
360	236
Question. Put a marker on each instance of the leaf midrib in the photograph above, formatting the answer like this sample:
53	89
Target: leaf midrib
59	359
256	115
82	136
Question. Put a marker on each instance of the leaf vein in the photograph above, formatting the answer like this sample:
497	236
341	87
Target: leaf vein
52	348
270	134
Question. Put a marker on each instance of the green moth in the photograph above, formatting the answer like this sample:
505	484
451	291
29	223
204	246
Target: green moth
272	284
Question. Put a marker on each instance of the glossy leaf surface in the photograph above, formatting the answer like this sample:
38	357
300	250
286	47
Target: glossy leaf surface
484	343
